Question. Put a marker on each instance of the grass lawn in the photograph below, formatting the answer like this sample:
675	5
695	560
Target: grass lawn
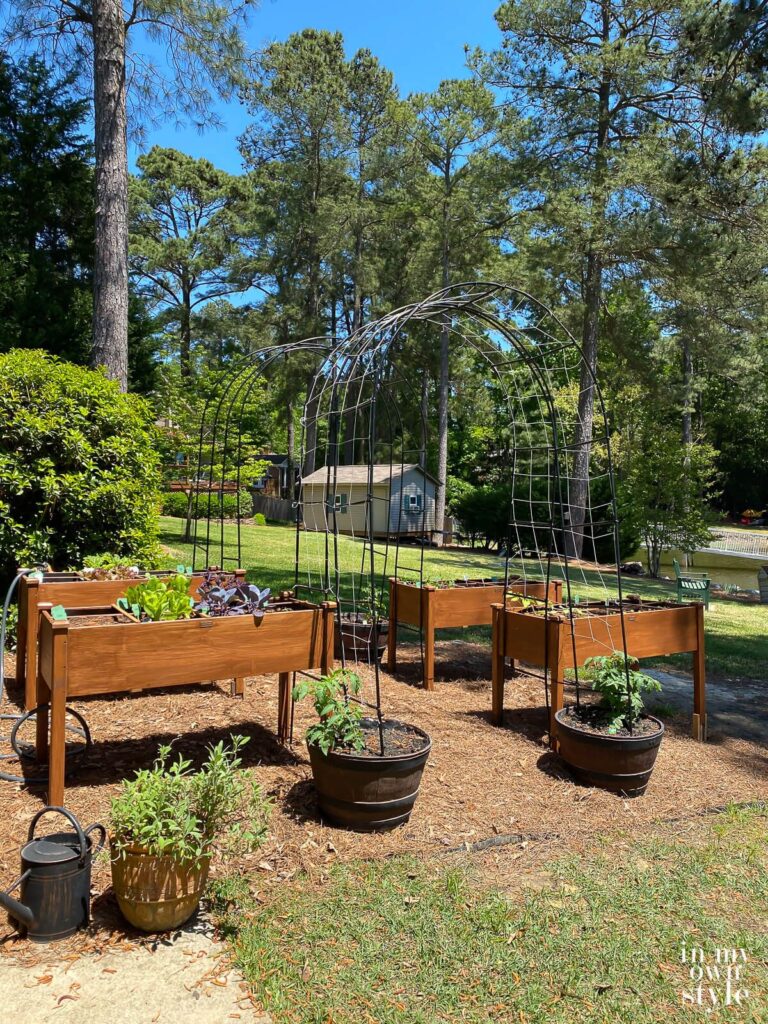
410	942
737	634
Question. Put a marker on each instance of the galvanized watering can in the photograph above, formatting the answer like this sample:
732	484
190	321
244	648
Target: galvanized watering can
55	884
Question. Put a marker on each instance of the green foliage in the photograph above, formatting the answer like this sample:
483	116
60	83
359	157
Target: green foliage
171	810
232	506
665	489
160	599
46	212
187	223
78	469
259	519
339	725
616	677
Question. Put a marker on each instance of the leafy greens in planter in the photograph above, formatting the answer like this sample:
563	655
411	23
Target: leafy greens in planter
616	677
226	594
160	599
339	726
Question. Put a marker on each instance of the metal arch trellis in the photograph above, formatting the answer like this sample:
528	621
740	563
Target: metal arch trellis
353	416
537	364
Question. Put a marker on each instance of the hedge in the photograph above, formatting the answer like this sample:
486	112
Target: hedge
78	466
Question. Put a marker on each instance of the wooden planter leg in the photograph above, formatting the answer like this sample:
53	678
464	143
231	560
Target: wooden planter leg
31	614
556	685
57	754
497	664
238	686
699	721
428	626
284	707
392	634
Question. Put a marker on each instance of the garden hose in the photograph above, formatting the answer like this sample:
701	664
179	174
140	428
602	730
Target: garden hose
19	751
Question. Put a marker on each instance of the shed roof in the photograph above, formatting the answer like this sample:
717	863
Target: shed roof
382	473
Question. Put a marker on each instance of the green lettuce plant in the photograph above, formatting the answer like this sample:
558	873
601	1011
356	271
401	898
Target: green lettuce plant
160	599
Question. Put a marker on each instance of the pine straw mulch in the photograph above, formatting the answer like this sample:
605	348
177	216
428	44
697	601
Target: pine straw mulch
483	786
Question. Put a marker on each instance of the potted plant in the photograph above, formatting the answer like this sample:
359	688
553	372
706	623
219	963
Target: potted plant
166	824
612	743
357	637
367	771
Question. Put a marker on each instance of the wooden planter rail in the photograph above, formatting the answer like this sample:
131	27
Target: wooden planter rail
125	655
465	603
559	645
72	590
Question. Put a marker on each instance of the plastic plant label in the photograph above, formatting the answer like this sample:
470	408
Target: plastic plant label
122	602
136	610
36	575
180	568
59	613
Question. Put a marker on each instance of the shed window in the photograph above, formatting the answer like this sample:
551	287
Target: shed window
339	503
412	502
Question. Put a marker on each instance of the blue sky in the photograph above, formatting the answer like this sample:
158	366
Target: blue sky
420	41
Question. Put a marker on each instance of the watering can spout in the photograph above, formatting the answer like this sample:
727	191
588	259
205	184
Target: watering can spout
17	910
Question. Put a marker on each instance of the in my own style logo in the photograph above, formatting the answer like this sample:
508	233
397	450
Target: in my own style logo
716	979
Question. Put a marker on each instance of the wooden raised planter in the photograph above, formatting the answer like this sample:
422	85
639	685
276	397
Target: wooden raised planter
463	603
557	643
76	660
72	590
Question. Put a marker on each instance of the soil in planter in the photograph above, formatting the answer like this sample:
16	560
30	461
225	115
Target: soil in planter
99	619
399	739
591	719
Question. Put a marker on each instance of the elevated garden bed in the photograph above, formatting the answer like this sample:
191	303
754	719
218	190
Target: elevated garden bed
78	589
450	604
563	637
104	650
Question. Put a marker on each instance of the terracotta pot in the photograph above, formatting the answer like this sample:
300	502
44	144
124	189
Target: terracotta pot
156	894
621	764
368	794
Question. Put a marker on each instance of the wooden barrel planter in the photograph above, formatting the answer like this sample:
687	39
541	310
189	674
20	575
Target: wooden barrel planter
357	639
620	764
156	894
365	792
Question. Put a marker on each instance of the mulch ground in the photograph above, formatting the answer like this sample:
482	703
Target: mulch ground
483	786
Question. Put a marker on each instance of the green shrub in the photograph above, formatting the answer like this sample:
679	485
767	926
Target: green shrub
260	519
78	467
174	503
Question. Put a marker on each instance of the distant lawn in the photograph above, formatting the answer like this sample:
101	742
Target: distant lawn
736	634
408	942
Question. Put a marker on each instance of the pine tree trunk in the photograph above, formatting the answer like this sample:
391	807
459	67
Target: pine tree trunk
110	279
688	401
444	380
185	339
291	454
578	489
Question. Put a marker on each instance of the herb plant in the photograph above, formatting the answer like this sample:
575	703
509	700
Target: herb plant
339	725
616	677
170	810
160	599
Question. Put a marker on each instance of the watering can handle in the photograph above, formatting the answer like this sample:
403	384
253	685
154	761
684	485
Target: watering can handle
102	841
72	820
22	914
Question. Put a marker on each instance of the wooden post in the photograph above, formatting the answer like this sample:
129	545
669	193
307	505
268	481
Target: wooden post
58	690
329	615
26	640
238	686
284	706
428	627
556	680
497	664
392	634
699	721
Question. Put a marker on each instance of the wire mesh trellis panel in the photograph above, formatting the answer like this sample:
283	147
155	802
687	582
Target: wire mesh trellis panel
368	491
